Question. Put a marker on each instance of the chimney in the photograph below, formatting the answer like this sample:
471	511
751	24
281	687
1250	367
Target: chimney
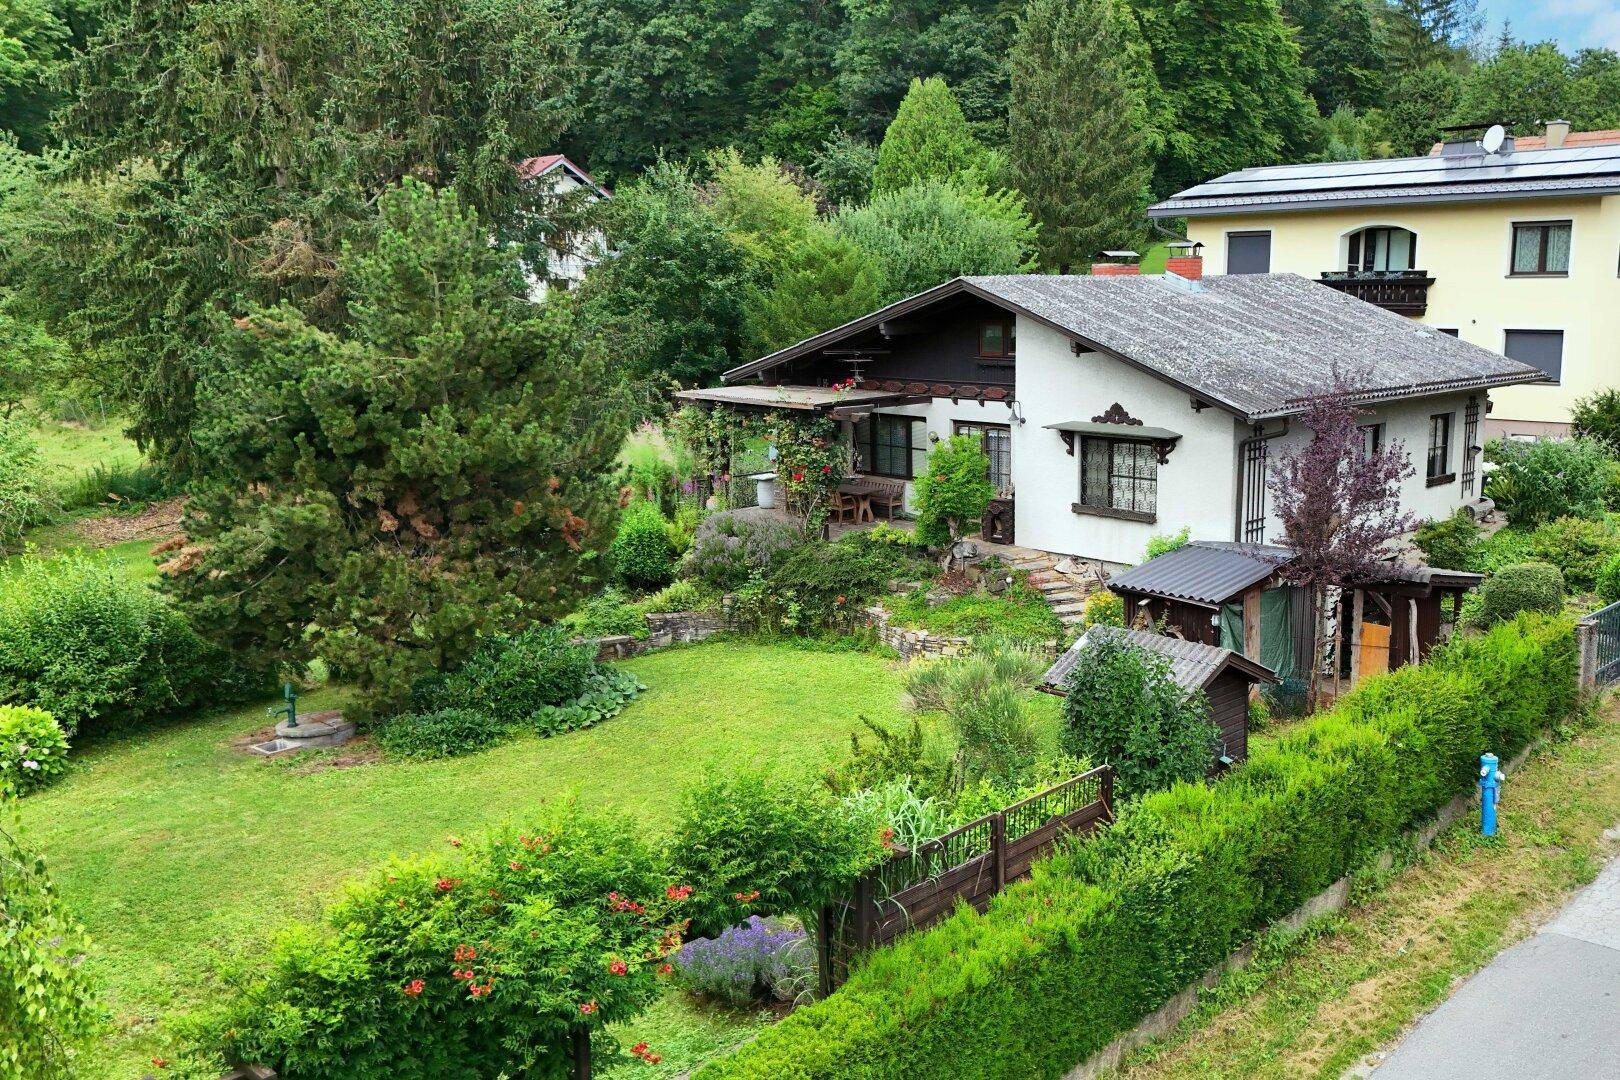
1186	260
1121	264
1557	132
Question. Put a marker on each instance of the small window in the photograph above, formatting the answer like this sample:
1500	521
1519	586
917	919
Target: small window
1449	331
884	446
1120	476
996	439
998	340
1541	247
1542	349
1439	470
1372	439
1248	252
1384	248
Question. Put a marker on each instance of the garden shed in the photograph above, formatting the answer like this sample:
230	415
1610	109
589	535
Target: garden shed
1224	676
1235	596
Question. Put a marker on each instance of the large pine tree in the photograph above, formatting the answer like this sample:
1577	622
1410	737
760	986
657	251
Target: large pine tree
382	495
1080	144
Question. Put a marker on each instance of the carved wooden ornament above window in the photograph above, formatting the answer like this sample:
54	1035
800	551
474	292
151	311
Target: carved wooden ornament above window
1116	414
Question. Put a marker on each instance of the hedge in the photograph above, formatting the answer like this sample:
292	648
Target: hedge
1063	964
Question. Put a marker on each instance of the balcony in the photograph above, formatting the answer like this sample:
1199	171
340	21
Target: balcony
1405	292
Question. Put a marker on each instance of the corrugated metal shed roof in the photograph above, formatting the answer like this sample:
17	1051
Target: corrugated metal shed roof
1262	345
1192	664
1203	572
1569	170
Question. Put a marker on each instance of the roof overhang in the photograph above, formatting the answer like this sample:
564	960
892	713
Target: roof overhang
1170	208
810	399
1416	390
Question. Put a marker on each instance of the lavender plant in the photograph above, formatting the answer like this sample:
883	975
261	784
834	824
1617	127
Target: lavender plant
748	960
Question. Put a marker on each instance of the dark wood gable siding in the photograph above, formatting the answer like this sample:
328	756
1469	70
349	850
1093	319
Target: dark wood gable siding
938	346
1229	708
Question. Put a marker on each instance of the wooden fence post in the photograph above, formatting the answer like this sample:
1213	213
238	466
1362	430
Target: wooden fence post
863	911
824	948
1105	792
998	848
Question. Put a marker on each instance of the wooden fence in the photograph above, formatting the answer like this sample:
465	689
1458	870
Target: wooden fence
972	863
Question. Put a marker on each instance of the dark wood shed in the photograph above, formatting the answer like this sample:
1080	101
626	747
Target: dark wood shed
1224	676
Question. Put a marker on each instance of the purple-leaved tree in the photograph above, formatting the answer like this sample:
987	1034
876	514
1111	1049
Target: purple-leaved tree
1339	503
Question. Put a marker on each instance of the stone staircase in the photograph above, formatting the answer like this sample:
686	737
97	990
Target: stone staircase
1065	593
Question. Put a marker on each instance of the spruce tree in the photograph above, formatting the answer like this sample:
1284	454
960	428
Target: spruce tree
929	139
383	495
1078	129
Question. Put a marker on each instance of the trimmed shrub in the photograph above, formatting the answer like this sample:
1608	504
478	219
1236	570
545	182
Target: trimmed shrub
33	750
733	545
1450	543
1060	966
439	734
92	648
642	554
420	972
1520	587
1577	546
1544	479
1120	707
754	843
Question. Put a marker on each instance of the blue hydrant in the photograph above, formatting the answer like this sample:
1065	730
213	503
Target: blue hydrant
1490	788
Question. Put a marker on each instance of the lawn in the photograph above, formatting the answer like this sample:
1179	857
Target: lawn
180	851
68	449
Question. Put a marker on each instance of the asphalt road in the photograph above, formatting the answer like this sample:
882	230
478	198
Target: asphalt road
1546	1009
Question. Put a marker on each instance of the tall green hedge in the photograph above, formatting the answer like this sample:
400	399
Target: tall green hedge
1060	966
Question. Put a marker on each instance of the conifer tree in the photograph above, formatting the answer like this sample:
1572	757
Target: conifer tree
1078	128
383	495
929	139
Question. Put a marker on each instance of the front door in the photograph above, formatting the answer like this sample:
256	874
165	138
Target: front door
996	439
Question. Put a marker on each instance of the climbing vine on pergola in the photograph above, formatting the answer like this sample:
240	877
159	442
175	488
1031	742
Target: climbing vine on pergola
811	461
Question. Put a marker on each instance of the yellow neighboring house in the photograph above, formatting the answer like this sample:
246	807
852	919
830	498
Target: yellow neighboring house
1517	250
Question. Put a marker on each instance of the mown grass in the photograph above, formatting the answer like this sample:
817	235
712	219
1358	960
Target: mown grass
181	852
1316	1003
68	449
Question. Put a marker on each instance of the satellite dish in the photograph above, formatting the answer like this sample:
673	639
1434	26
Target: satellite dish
1494	137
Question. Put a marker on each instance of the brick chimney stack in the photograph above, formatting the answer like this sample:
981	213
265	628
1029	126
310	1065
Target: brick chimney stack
1115	269
1190	267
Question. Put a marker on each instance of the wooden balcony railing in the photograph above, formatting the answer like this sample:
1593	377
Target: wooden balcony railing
1403	291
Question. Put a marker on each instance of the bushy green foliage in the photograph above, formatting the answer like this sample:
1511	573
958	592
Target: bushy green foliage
1018	611
683	595
25	495
119	486
1608	580
756	843
1544	479
843	167
512	677
1121	708
824	582
1164	543
1597	417
929	139
930	232
1502	548
642	554
954	491
1060	966
607	614
442	733
1577	546
480	965
1451	543
95	649
386	496
1104	608
824	280
985	698
47	1002
33	749
1520	587
881	755
733	545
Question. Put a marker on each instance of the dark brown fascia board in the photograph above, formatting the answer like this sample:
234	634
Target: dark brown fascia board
1237	660
940	292
1168	210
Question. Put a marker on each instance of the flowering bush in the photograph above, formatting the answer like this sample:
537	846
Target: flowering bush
33	750
1104	608
733	545
748	961
754	843
481	965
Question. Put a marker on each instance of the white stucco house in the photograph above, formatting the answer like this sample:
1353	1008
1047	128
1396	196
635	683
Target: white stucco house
569	257
1118	407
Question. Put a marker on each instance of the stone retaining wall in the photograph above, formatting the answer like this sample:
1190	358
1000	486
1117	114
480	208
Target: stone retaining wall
665	629
910	642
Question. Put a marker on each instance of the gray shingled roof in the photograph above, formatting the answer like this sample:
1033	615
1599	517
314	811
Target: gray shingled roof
1204	571
1192	664
1257	345
1570	170
1261	345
